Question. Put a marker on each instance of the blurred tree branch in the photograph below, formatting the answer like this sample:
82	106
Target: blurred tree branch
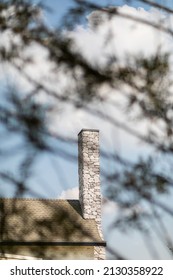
149	83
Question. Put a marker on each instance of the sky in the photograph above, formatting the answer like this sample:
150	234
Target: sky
127	38
59	8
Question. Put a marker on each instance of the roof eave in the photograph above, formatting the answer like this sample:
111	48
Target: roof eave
54	243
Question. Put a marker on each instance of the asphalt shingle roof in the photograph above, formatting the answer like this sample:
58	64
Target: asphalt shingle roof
45	220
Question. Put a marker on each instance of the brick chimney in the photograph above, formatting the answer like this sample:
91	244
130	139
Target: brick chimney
89	174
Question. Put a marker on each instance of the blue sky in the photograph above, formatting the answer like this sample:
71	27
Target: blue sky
52	185
135	243
59	8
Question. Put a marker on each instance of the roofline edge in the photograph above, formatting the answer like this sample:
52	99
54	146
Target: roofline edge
49	243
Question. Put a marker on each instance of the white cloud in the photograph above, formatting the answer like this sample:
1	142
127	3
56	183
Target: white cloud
108	207
127	37
70	194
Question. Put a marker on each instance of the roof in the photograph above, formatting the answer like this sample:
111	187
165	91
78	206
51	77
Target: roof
44	220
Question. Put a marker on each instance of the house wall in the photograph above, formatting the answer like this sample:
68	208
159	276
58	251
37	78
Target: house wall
49	252
99	253
90	200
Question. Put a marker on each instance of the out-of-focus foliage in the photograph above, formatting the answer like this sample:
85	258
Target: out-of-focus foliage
149	98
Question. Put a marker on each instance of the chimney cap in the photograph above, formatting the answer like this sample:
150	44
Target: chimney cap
88	129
